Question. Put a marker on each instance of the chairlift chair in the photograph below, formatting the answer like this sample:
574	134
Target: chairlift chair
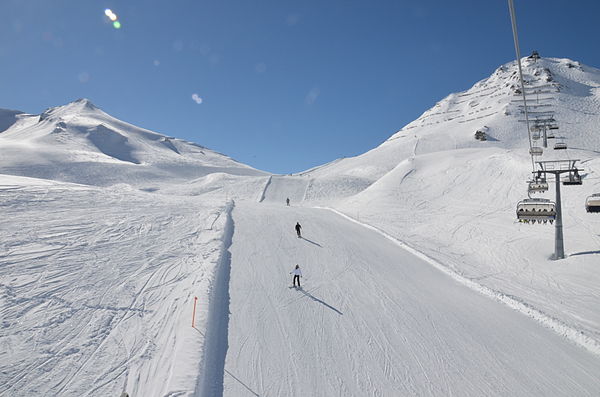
550	135
538	210
535	136
592	203
536	151
560	146
573	179
537	185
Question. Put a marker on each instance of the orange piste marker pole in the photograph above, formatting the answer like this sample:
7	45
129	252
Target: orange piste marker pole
194	312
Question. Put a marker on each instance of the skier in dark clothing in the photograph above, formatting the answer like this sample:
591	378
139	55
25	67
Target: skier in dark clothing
297	274
287	201
298	227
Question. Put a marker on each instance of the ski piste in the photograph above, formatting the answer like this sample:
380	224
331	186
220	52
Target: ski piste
110	231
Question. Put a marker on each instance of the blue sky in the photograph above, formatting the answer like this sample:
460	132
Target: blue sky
283	85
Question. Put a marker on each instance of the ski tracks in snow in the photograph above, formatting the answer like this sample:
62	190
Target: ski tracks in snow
97	305
374	320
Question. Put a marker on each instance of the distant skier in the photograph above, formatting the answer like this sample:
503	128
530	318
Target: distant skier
297	274
298	227
287	200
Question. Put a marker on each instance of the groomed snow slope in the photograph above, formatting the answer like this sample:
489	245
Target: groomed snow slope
474	232
452	197
280	188
374	320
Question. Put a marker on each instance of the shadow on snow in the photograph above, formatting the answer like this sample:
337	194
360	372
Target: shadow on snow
312	242
232	375
314	298
585	253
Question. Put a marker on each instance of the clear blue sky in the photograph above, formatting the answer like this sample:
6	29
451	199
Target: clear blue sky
284	85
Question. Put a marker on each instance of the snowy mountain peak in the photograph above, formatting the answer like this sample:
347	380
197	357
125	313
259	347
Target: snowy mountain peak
83	104
488	116
496	102
70	110
78	142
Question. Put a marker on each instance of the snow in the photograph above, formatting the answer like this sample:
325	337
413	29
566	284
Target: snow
97	288
80	143
418	280
8	118
280	188
372	319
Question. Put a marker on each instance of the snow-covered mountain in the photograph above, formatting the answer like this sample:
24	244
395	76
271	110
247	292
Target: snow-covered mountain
80	143
452	196
418	280
444	192
563	88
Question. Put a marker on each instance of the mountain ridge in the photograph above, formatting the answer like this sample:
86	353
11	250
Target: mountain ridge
491	106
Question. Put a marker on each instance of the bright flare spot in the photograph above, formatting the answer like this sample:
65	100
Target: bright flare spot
196	98
111	15
117	24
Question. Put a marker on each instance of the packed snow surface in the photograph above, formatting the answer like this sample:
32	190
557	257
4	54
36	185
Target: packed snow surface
371	319
418	280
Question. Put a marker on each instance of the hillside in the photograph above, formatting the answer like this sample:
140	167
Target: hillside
567	90
80	143
418	279
454	198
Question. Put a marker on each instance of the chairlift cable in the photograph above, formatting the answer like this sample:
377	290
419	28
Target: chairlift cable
513	20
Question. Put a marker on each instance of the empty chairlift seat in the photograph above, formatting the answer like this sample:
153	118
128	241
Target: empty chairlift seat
573	179
560	146
536	210
592	203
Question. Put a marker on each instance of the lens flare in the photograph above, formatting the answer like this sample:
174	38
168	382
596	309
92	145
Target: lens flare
110	14
196	98
117	24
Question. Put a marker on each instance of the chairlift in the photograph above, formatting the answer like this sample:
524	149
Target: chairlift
538	210
550	135
592	203
536	151
573	179
535	136
560	146
537	186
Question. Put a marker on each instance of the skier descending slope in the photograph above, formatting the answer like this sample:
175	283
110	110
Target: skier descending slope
298	227
297	274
